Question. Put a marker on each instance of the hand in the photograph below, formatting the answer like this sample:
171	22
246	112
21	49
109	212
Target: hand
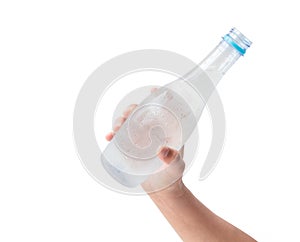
167	179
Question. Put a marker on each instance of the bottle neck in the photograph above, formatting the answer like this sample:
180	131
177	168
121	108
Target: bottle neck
219	61
210	71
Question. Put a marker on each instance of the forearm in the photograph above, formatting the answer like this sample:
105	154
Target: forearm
192	220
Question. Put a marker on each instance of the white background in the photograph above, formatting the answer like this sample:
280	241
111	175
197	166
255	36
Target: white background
49	49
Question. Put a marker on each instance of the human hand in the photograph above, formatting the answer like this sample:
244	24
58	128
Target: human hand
168	178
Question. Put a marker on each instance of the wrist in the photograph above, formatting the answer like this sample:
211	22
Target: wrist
175	190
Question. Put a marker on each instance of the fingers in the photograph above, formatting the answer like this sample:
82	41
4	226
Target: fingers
109	136
153	89
120	121
129	110
167	154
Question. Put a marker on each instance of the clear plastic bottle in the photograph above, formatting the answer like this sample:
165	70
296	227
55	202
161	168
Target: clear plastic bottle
168	116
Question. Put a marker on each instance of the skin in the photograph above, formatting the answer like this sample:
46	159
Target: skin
192	221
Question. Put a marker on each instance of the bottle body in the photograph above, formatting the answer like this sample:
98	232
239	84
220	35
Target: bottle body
168	116
164	118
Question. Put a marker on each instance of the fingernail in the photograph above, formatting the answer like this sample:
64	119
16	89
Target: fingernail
165	152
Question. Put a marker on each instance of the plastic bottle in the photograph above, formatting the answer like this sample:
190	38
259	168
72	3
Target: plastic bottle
168	116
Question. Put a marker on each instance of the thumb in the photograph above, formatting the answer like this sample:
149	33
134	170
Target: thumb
167	154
